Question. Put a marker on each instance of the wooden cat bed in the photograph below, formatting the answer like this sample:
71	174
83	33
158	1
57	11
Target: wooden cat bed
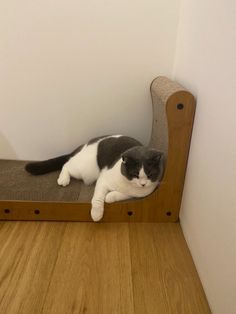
26	197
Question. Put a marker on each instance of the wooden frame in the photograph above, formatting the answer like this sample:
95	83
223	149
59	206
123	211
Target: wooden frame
163	204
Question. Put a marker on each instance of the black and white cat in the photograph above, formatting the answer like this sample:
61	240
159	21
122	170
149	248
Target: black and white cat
121	165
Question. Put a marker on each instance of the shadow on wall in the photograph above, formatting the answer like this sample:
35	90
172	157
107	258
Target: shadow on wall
6	150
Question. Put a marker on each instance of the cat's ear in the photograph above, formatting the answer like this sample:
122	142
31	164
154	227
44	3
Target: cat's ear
127	159
156	157
124	159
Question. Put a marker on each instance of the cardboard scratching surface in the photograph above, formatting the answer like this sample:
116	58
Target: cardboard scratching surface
17	184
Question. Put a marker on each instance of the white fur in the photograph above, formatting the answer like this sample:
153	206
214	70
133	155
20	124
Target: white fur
111	185
142	180
84	165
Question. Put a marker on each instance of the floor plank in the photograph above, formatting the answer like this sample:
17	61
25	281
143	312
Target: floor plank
164	276
115	268
27	260
93	272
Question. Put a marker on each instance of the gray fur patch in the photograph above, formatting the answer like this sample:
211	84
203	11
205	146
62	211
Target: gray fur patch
110	150
96	139
137	157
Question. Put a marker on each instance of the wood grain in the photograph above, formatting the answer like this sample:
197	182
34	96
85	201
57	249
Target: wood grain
93	271
164	275
97	268
27	259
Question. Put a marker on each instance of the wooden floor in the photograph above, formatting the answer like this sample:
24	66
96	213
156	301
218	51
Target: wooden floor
48	267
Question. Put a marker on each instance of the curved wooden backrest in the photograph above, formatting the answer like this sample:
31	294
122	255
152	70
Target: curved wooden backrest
173	115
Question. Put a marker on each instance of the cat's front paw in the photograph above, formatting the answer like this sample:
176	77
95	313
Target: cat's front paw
97	213
111	197
63	180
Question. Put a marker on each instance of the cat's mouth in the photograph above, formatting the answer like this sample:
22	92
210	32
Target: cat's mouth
146	184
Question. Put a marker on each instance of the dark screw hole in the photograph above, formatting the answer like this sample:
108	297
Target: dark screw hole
37	211
7	211
130	213
180	106
168	213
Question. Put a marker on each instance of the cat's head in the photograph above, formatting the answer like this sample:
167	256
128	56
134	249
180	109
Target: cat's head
142	166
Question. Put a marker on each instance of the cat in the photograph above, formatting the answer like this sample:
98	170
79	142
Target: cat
121	166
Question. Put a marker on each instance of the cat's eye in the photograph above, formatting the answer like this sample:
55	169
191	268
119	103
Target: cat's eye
153	173
152	176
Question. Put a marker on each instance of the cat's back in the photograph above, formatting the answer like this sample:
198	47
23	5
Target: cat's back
110	149
104	151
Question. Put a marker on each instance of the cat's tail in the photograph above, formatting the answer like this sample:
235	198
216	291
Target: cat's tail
46	166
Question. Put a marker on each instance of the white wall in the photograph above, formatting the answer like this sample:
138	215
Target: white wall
71	70
206	63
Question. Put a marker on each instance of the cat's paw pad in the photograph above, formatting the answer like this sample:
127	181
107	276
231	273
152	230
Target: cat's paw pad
97	213
63	180
110	197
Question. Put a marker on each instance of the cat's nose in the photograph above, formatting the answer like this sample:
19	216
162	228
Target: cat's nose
143	184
